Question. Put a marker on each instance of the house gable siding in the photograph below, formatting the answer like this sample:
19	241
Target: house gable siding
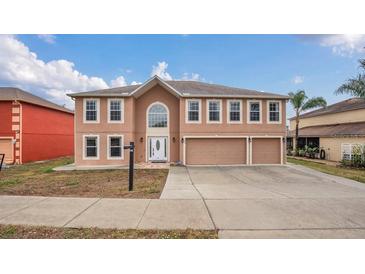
351	116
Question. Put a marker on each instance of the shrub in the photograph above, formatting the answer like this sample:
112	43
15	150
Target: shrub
357	157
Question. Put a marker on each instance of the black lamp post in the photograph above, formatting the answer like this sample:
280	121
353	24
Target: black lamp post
131	165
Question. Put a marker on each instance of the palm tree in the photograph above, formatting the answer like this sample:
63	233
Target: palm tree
354	86
300	103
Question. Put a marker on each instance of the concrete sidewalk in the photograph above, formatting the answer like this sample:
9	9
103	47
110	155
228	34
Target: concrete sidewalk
179	186
240	202
104	213
180	207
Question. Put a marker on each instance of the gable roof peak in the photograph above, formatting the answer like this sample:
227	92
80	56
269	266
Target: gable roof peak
153	81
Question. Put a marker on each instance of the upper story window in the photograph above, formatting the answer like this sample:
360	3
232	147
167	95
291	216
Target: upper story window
234	111
91	110
214	111
254	111
193	111
115	110
274	112
157	116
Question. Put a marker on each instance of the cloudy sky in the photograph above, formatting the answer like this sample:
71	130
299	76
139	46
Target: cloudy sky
51	66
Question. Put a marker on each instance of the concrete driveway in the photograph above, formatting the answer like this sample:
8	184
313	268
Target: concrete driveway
273	201
240	202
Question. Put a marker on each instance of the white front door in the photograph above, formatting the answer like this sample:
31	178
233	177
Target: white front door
158	149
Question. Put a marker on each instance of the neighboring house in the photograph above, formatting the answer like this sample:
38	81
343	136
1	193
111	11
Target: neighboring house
33	129
186	122
337	128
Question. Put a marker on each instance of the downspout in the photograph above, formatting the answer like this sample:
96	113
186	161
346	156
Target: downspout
13	144
74	116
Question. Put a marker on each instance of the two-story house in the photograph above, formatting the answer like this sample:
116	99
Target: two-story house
33	129
187	122
337	129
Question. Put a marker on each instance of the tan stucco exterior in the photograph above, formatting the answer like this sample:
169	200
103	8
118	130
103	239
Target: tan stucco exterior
134	128
103	129
332	146
157	94
336	118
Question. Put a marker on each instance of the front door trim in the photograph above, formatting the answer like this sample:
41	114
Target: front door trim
164	147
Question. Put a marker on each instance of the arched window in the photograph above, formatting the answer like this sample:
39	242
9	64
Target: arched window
157	116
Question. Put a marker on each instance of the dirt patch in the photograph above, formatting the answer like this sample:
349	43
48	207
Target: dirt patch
38	179
34	232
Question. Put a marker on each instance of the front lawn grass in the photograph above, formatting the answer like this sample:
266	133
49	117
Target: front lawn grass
38	179
42	232
350	173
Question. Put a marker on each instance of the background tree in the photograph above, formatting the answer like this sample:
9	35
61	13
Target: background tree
354	86
300	103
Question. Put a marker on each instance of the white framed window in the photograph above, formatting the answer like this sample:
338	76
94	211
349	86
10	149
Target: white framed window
115	111
254	112
91	110
214	111
234	111
157	116
193	111
91	147
351	151
115	147
274	112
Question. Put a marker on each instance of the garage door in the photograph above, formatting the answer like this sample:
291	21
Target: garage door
266	151
215	151
6	147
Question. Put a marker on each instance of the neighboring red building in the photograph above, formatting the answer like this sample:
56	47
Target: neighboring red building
33	129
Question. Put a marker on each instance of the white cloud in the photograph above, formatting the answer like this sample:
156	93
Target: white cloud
48	38
135	83
51	80
54	79
192	77
118	82
161	71
21	67
298	79
340	44
59	97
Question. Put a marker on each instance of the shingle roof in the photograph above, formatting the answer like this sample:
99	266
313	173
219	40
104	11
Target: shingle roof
119	91
348	129
11	94
187	89
349	104
199	88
